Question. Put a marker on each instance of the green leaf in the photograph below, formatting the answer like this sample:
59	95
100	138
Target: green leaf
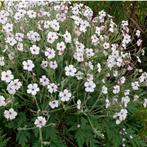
23	137
3	139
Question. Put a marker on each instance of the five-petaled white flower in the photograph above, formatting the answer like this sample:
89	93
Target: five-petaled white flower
65	95
52	88
44	81
54	104
33	89
50	53
10	114
28	65
13	86
34	50
70	70
40	122
89	86
7	76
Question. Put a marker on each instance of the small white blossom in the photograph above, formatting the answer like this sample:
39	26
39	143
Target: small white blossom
28	65
54	104
2	101
52	88
107	103
40	122
7	76
104	89
53	64
10	114
120	116
33	89
54	24
116	89
89	86
51	37
13	86
65	95
44	64
50	53
135	85
70	70
61	46
34	50
67	37
44	81
125	100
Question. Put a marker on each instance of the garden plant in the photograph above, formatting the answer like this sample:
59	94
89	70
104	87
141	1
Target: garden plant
68	78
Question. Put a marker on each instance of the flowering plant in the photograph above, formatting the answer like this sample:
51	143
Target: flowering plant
67	78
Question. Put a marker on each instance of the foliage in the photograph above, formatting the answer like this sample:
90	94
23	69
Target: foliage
70	77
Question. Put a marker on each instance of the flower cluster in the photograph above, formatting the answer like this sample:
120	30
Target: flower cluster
70	60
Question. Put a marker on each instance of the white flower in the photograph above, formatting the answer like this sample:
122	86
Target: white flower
31	14
138	33
53	64
44	81
67	37
54	24
61	46
125	100
89	52
89	86
40	122
136	97
13	86
2	101
70	70
104	89
51	37
135	85
52	88
122	80
107	103
126	92
33	36
44	64
116	89
20	46
7	76
8	27
11	41
10	114
139	41
33	89
120	116
79	75
78	104
65	95
106	45
54	104
19	36
28	65
145	103
2	62
34	50
79	56
50	53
